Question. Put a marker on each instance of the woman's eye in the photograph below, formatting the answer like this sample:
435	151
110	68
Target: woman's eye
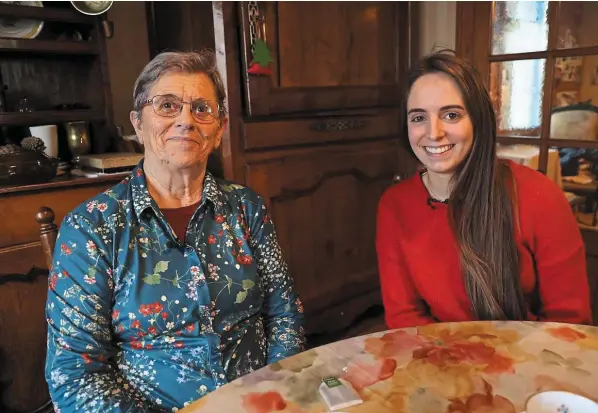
416	119
452	116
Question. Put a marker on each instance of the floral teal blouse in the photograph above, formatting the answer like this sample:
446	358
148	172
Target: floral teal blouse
140	321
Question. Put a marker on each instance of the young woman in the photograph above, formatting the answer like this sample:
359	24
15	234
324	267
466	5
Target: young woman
471	237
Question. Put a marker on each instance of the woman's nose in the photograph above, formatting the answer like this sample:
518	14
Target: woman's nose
185	118
435	130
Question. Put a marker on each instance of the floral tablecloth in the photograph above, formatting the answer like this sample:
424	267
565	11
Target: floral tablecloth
473	367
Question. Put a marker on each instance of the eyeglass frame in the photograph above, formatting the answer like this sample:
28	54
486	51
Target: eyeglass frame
221	108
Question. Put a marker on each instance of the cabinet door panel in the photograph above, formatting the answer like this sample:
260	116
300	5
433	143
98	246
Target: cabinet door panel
326	55
324	207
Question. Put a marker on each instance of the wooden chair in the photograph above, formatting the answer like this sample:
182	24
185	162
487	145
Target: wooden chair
23	387
48	232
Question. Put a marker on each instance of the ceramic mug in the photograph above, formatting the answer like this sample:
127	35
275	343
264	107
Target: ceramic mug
560	402
49	135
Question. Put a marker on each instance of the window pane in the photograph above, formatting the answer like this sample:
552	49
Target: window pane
575	98
519	27
516	89
577	24
579	168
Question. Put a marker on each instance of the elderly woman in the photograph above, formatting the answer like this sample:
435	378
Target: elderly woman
171	283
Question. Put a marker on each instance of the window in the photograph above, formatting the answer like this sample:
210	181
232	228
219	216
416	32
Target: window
540	62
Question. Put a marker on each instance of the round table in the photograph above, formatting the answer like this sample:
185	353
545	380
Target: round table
469	367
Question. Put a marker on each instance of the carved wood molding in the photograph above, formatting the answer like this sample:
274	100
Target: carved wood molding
287	194
338	125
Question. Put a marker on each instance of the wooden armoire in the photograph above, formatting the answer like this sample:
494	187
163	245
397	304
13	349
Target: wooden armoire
317	136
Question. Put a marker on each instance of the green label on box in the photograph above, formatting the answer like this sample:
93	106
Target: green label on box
332	382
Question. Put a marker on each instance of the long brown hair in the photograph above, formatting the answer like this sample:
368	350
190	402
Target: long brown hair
482	204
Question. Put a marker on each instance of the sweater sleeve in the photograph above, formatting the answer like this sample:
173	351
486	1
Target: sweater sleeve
560	260
403	306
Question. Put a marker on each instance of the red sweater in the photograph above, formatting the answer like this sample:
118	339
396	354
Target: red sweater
419	264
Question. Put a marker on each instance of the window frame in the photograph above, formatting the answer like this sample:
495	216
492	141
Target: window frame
474	37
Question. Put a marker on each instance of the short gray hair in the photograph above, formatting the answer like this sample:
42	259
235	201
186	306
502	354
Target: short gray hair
203	61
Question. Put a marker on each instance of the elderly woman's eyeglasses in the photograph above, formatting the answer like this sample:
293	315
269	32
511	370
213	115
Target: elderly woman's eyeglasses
204	111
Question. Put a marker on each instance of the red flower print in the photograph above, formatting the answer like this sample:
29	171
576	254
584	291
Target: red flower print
211	239
475	353
362	375
219	219
239	242
244	259
53	280
164	315
139	172
567	334
86	358
149	346
65	249
190	327
152	330
179	345
145	309
267	402
141	333
115	314
220	233
136	324
136	345
157	307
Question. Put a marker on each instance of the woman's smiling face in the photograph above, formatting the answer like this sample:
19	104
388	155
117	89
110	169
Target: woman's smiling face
440	130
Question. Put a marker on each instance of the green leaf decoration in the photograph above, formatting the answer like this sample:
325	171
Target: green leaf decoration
175	282
152	279
248	284
261	53
161	266
231	187
241	296
92	271
230	282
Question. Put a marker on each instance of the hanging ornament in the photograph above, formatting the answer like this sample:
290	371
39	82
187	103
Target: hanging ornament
260	63
261	59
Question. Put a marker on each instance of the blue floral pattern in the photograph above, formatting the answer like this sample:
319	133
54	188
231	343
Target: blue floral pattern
140	320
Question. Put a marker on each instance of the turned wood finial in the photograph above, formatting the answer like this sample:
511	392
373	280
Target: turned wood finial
48	232
45	217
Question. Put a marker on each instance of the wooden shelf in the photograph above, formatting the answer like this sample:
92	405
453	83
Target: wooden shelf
56	47
59	182
67	15
48	117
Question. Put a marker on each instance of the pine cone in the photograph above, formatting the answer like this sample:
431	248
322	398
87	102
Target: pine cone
33	144
10	149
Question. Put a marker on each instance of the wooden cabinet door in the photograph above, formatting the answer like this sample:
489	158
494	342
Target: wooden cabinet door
323	204
326	55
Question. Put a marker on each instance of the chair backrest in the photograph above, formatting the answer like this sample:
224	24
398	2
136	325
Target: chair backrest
48	232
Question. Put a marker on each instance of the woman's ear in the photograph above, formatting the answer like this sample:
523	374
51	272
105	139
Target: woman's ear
135	118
